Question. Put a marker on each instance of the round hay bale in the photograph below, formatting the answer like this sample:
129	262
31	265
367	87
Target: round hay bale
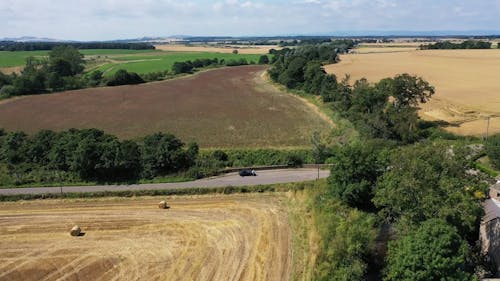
75	231
163	205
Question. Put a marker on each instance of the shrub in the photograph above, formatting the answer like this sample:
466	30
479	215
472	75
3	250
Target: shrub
123	77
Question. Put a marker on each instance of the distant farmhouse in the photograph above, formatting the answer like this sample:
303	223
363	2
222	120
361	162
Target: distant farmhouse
490	226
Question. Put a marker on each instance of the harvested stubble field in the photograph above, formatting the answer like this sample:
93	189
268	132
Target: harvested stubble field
229	107
466	82
217	237
242	49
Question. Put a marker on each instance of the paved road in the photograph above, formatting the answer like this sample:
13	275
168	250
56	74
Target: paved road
232	179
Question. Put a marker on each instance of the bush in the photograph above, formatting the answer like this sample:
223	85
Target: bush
182	67
264	59
347	240
123	77
434	251
7	91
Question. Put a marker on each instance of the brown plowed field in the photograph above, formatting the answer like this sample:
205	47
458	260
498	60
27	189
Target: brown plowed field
466	82
237	237
229	107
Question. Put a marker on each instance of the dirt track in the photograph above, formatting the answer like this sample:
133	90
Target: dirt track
237	237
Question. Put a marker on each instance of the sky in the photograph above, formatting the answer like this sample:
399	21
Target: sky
120	19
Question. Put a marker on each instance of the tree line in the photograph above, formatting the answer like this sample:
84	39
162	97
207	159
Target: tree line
90	154
387	109
447	45
49	157
401	171
43	46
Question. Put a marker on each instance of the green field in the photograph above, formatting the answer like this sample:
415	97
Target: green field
140	61
18	58
160	61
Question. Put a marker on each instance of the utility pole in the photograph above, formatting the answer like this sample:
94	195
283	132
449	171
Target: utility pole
487	127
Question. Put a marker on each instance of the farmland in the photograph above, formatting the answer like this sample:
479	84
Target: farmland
216	237
161	61
110	61
254	49
18	58
466	82
229	107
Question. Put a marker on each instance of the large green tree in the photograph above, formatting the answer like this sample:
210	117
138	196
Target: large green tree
66	60
434	251
355	172
426	181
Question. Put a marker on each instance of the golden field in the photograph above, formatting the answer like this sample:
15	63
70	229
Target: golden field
242	49
466	82
216	237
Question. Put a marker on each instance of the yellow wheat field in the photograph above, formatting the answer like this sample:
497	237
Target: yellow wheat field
217	237
242	49
467	82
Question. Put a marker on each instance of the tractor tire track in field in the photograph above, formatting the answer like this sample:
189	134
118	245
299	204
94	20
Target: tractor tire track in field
223	237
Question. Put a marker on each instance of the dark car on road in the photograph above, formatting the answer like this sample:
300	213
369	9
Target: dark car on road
247	172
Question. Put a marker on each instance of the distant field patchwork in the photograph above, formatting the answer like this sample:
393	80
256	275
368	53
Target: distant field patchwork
18	58
110	61
228	107
466	82
160	61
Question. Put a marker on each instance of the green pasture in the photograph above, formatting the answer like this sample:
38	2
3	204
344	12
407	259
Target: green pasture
139	61
18	58
160	61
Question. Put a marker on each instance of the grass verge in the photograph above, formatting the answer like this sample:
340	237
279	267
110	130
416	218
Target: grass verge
163	192
485	166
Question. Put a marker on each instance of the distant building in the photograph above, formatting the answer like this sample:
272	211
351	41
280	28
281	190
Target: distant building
490	226
495	191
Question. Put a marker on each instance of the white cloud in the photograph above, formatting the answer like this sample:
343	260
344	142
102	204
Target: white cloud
107	19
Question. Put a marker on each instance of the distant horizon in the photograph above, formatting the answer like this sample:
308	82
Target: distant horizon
388	33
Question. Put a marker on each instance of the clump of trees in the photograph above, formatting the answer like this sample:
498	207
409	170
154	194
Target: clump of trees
409	187
433	251
386	110
61	71
421	188
123	77
468	44
347	240
91	154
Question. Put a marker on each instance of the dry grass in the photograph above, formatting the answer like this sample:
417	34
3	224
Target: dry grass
242	49
230	107
226	237
466	82
9	70
389	49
